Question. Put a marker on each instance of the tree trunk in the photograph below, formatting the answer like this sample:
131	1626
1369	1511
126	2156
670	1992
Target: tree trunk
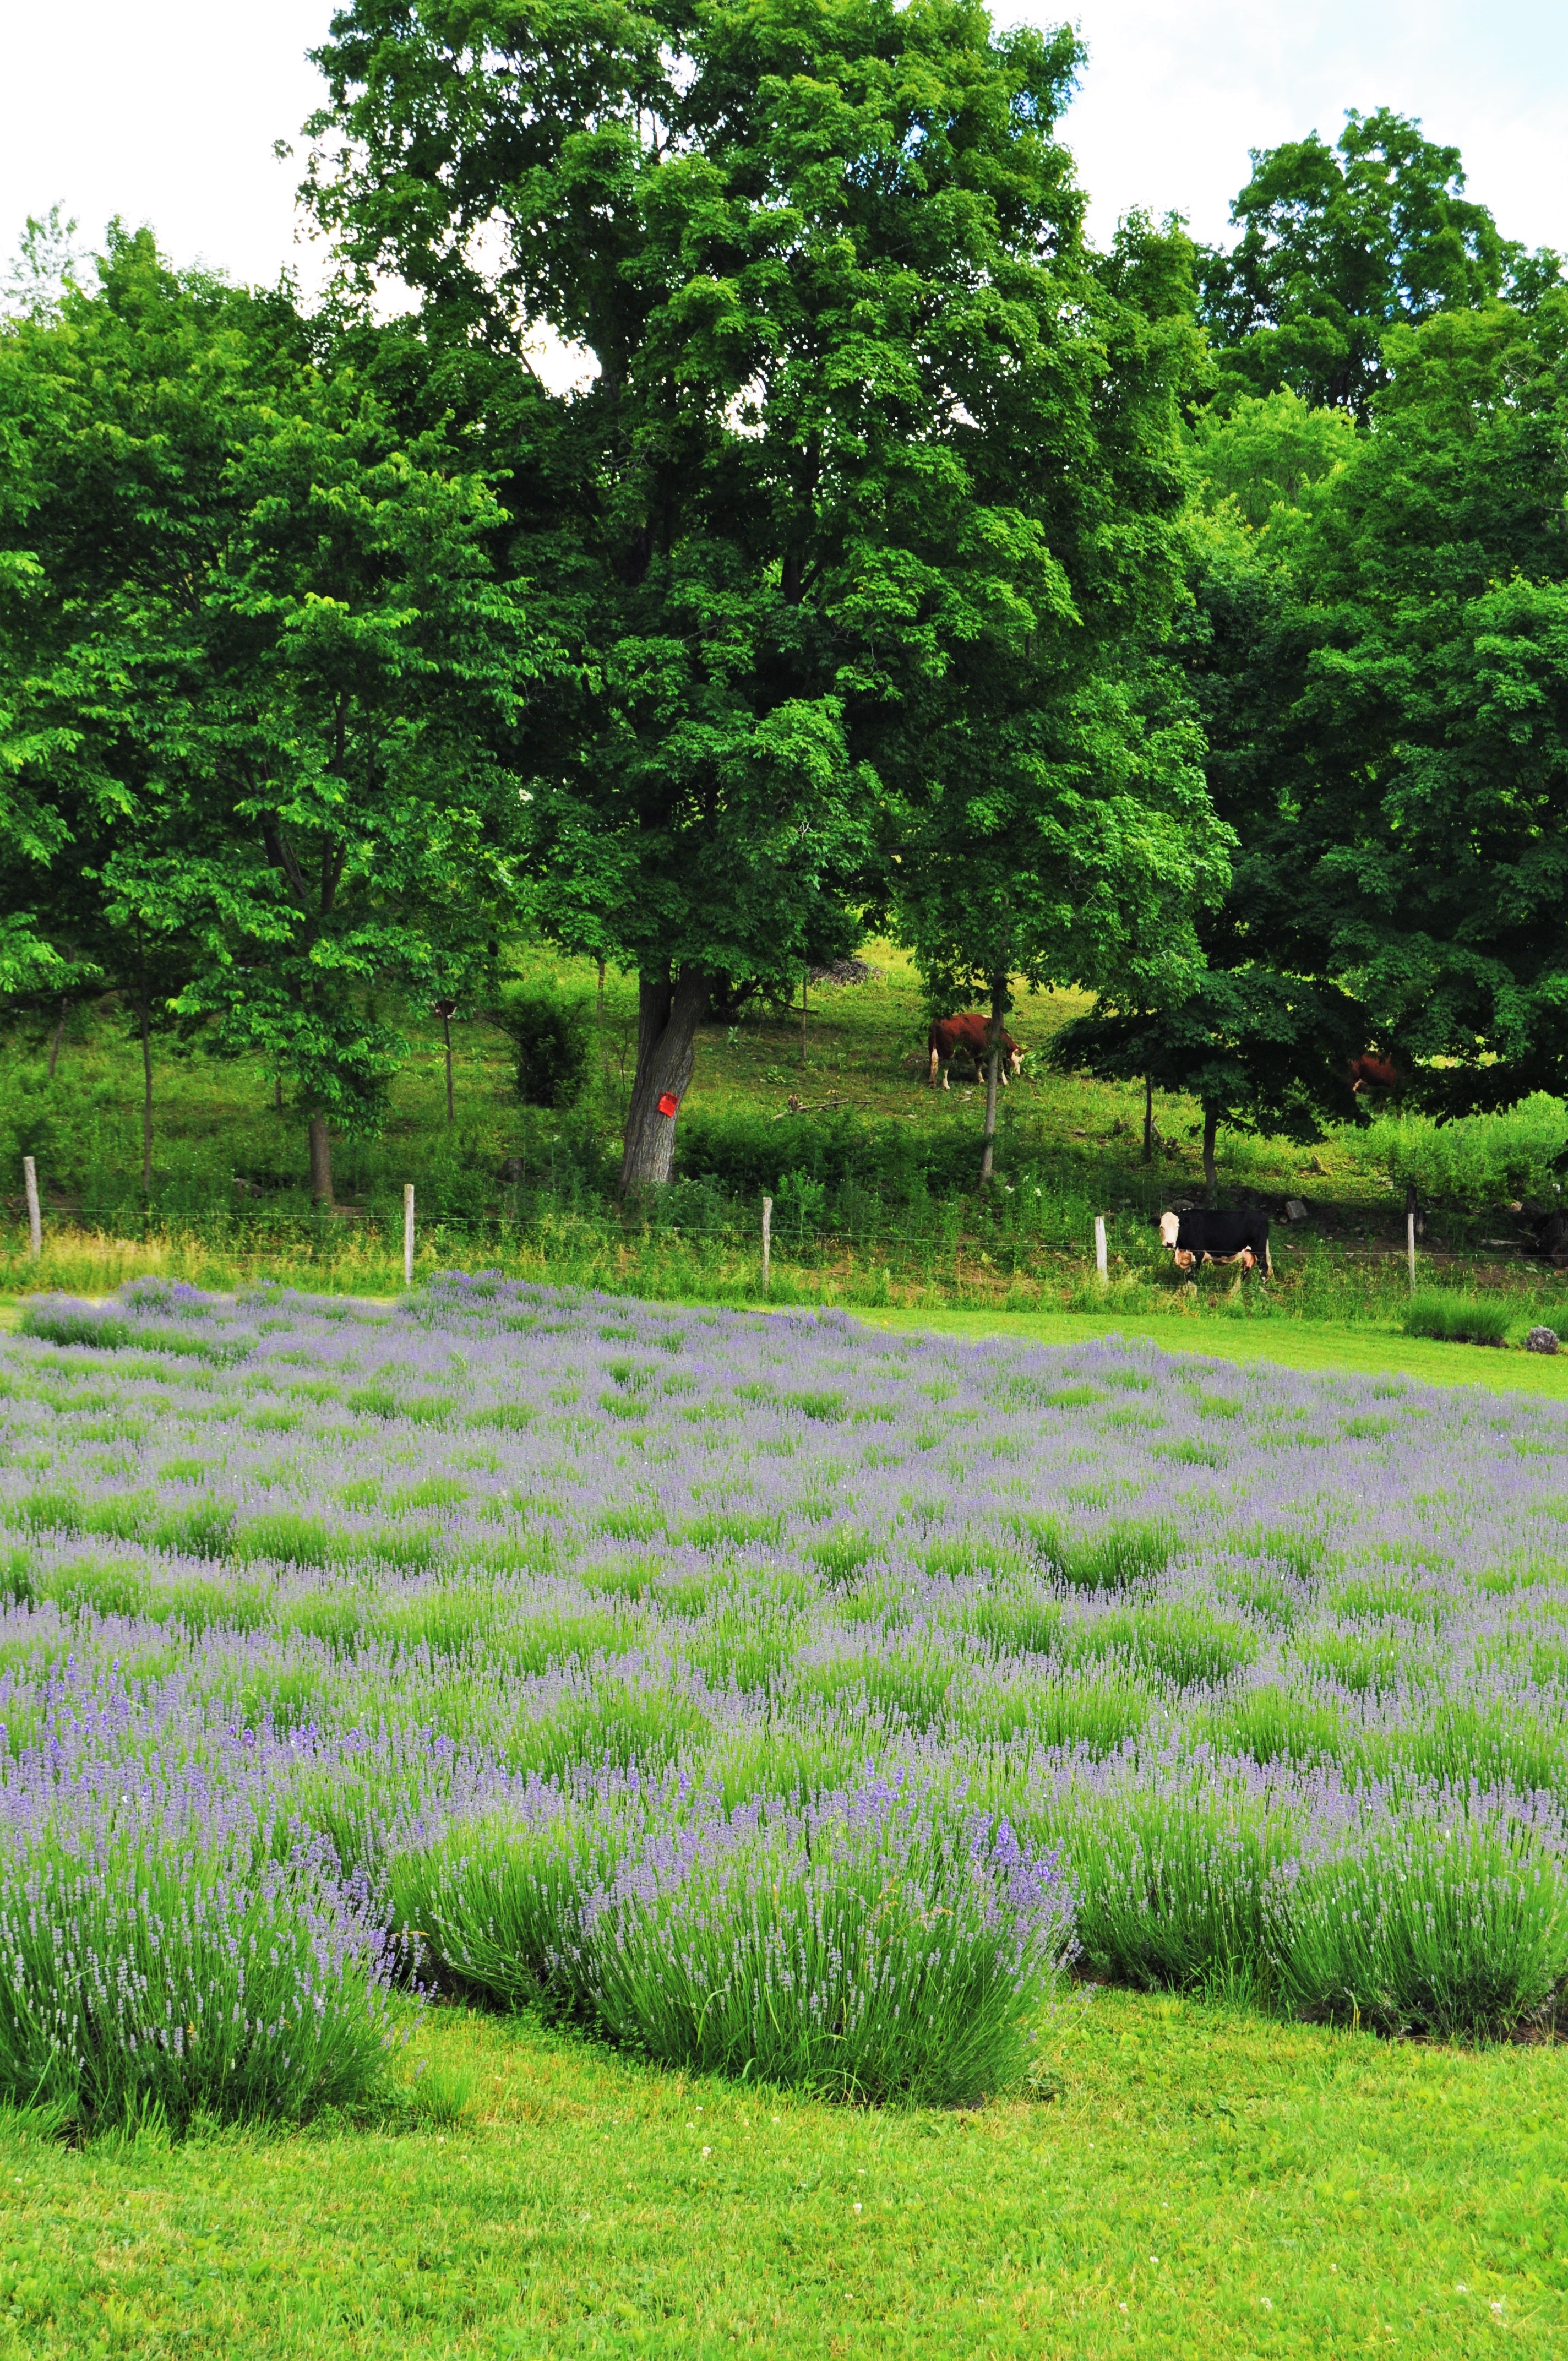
1148	1119
277	1094
146	1098
321	1163
992	1070
1210	1126
668	1015
446	1035
602	997
59	1035
804	980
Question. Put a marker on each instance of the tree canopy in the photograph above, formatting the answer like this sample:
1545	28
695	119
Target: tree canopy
261	677
1339	245
871	499
768	515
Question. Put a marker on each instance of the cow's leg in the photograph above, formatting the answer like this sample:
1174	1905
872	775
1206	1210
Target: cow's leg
946	1072
931	1076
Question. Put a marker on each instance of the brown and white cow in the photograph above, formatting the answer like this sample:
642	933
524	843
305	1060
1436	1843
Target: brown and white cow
971	1032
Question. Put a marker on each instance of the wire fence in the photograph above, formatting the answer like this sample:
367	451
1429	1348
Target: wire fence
936	1234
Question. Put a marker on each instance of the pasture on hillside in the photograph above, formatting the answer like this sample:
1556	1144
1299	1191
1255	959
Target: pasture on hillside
874	1176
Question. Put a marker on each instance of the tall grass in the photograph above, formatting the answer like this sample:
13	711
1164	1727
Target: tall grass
1458	1318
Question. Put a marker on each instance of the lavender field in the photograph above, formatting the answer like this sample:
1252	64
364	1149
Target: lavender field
778	1697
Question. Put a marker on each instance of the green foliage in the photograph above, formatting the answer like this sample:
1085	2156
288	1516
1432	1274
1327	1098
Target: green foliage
1474	1160
259	676
1459	1318
552	1046
188	1985
1269	456
1449	1930
1340	244
852	584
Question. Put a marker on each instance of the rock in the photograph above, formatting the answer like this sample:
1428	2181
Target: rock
1542	1340
846	970
1294	1210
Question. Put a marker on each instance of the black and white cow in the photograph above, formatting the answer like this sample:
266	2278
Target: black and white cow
1203	1236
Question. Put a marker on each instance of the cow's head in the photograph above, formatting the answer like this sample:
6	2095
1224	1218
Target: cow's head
1169	1229
1014	1060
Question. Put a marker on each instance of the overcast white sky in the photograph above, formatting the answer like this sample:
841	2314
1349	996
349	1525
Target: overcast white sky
165	110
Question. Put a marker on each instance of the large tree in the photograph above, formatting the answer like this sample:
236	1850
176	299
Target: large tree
1057	824
260	680
873	459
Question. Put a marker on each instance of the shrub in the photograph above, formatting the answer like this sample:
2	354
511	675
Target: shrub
1439	1922
497	1901
1174	1875
147	1977
1478	1161
552	1045
1458	1319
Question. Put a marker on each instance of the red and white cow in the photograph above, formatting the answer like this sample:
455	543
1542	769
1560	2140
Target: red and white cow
971	1032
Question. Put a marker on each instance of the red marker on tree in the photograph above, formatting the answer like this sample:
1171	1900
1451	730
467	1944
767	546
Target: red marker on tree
668	1103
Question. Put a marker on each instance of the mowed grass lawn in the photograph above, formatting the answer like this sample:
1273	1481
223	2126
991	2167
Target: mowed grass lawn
1201	2182
1320	1347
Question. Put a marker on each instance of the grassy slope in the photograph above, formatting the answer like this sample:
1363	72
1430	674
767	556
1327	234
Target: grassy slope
865	1050
1202	2183
864	1046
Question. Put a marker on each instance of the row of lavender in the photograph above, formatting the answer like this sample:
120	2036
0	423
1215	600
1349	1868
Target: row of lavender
762	1687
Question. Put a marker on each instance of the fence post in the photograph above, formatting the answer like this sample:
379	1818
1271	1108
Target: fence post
767	1242
408	1233
34	1215
1100	1264
1410	1245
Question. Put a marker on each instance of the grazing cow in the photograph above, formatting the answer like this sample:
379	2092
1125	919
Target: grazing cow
970	1033
1204	1237
1368	1073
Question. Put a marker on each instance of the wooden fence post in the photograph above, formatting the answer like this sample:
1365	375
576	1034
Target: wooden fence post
29	1179
34	1213
1410	1245
409	1234
767	1242
1100	1263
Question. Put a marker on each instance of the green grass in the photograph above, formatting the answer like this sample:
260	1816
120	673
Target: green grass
1293	1344
1306	2193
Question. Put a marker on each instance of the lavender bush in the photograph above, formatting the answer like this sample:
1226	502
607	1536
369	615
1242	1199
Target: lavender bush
144	1977
695	1666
